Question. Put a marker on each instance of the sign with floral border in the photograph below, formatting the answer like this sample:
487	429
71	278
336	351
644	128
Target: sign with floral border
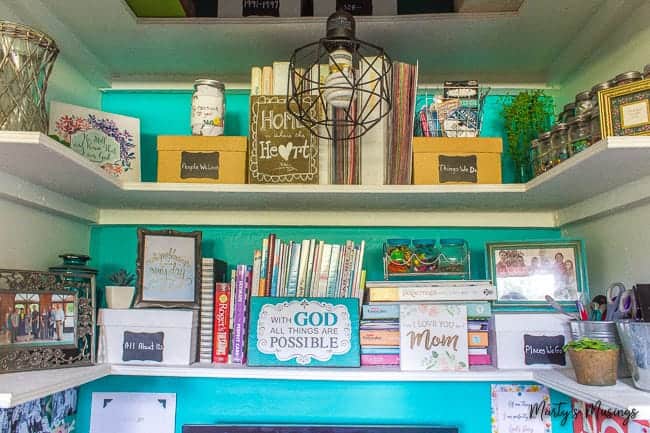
521	408
433	337
112	141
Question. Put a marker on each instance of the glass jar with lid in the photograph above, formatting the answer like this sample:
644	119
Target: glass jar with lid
597	88
583	103
534	157
569	110
560	149
453	257
580	133
545	151
595	125
398	256
627	77
646	71
425	255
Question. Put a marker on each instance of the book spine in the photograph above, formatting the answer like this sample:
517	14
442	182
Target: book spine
280	78
379	350
347	270
256	80
221	342
388	311
233	286
257	268
239	325
323	273
333	273
294	270
480	359
267	80
356	287
379	338
263	268
302	268
276	268
313	245
269	265
378	359
318	252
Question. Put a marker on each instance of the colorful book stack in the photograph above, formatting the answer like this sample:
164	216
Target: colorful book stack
478	342
379	334
207	309
309	268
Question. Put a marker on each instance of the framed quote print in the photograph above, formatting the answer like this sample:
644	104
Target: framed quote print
169	269
625	110
525	272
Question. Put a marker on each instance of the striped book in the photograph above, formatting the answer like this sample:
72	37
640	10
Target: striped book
206	315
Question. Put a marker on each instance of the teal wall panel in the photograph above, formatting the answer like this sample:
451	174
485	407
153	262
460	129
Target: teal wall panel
166	112
114	247
210	401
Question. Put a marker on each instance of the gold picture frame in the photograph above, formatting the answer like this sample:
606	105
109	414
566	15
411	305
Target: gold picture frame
625	110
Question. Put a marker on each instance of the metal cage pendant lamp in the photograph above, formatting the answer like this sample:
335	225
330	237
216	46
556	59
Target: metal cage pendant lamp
339	87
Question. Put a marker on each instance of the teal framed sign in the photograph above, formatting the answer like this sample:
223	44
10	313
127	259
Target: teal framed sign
524	273
304	332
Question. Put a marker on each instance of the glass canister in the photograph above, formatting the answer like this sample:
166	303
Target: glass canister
583	103
595	125
627	77
646	71
534	157
597	88
580	133
425	255
398	256
569	110
545	151
559	143
76	273
453	256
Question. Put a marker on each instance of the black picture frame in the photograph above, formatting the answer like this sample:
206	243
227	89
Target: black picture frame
185	264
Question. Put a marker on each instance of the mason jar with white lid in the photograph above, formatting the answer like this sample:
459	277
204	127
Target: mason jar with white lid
208	107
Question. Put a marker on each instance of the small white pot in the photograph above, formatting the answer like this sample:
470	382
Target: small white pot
119	297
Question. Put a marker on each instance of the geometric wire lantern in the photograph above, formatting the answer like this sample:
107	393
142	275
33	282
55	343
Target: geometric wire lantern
26	60
347	80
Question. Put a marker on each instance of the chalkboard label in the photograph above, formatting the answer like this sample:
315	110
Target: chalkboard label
457	169
541	349
267	8
200	165
143	346
355	7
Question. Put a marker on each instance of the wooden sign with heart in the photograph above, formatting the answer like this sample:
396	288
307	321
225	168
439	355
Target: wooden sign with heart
280	148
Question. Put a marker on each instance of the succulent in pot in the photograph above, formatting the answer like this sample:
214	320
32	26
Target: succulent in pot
594	361
120	293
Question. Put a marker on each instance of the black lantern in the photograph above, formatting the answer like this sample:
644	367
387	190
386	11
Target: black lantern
346	80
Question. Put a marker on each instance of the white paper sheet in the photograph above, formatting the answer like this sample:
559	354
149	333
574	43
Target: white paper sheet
132	412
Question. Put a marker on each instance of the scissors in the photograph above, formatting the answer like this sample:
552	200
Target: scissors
620	302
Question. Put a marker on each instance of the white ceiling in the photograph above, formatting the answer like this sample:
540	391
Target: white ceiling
543	42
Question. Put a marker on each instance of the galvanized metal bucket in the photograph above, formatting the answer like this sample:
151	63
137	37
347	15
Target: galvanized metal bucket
635	337
604	331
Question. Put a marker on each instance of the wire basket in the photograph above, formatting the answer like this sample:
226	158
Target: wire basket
26	60
454	110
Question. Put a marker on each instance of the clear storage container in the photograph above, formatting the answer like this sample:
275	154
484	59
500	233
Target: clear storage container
453	256
580	133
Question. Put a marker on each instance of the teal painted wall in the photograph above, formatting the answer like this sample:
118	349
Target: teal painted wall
211	401
168	113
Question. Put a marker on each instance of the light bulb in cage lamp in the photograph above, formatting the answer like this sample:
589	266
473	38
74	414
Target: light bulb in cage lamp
339	87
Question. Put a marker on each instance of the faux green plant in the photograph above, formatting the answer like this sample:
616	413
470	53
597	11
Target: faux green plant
525	116
122	278
589	343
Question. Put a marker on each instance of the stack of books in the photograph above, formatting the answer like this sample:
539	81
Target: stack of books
308	268
478	341
379	334
382	309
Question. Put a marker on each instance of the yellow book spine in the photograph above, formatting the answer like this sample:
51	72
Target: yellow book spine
383	294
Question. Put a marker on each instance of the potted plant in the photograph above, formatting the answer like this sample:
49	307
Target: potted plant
594	361
524	117
120	293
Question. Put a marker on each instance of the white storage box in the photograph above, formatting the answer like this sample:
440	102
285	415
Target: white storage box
147	336
530	340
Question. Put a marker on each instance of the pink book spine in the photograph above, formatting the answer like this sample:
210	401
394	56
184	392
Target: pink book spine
377	359
480	360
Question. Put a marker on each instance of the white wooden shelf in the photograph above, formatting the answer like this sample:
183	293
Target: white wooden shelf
362	374
18	388
84	191
623	395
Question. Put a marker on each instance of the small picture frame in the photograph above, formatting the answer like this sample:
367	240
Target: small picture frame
625	110
525	272
168	268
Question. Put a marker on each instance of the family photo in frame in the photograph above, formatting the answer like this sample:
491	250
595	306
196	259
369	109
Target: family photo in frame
529	271
168	268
